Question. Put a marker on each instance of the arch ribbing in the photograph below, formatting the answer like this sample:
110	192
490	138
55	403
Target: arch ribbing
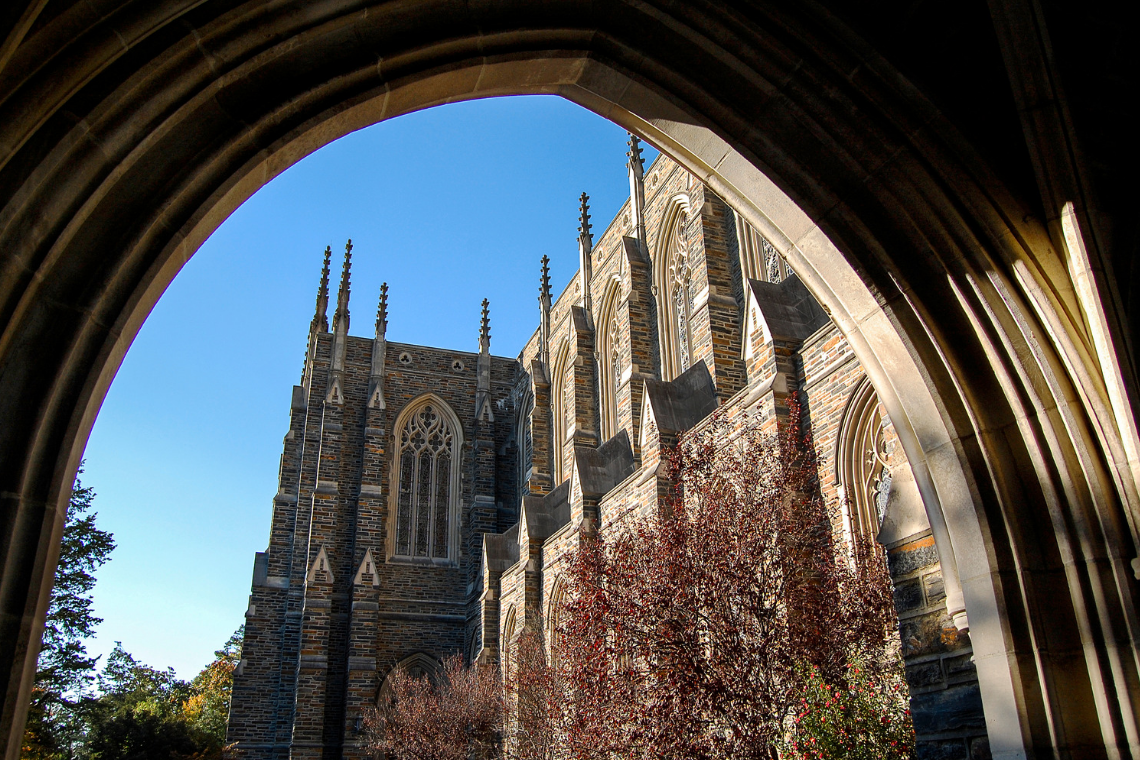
122	150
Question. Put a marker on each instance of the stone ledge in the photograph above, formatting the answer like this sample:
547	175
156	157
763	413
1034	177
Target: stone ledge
328	487
285	498
369	489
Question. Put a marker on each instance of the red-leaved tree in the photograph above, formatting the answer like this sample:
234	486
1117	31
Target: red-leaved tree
694	633
459	718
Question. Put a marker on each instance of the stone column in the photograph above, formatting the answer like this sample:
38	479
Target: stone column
637	317
716	314
583	428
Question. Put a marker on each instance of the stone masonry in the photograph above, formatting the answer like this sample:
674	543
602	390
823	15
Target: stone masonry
429	499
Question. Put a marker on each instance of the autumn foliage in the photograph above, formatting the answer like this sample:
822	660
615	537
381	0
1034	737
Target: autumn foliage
733	622
694	633
458	718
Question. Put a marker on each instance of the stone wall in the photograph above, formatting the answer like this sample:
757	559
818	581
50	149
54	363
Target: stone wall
320	639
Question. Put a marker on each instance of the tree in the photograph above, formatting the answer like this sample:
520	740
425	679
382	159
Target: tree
459	718
536	698
64	671
139	715
863	718
208	707
693	633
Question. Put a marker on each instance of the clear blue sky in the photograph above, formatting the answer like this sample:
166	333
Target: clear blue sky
449	206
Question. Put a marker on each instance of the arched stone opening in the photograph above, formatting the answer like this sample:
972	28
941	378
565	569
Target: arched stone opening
414	666
982	331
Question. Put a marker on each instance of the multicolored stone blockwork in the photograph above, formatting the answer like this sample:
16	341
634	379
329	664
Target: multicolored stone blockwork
395	543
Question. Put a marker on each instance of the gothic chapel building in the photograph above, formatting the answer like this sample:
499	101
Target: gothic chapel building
429	499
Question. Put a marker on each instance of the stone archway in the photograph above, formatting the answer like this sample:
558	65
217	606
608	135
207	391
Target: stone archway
992	338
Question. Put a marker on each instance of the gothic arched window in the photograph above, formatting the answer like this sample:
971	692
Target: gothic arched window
507	641
862	463
526	441
673	287
615	369
554	618
428	441
560	417
609	360
759	259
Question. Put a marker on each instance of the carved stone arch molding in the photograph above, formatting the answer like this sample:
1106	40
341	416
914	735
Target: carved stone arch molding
554	611
415	665
610	357
672	287
426	478
558	412
995	340
861	466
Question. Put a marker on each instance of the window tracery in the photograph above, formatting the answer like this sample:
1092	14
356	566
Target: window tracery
526	443
427	475
506	644
673	288
615	366
864	463
759	259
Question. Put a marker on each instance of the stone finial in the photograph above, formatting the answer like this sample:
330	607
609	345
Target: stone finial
584	225
544	282
382	312
321	319
379	349
343	294
585	257
636	162
485	328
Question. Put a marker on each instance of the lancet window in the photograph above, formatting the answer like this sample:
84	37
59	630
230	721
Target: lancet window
609	366
559	414
526	443
674	288
759	259
863	463
680	276
615	369
427	478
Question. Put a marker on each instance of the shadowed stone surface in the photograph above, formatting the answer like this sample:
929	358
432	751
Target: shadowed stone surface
954	185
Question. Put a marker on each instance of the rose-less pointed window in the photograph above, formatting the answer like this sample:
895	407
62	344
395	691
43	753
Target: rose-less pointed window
428	440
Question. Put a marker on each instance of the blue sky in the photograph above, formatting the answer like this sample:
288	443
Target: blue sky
449	206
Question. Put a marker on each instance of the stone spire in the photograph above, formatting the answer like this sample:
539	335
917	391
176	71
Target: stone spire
585	249
320	323
343	293
340	331
483	409
321	319
544	314
379	351
485	329
636	168
382	312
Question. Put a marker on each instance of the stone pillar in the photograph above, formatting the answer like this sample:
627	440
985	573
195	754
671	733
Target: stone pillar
483	517
637	316
585	257
583	428
369	547
541	478
262	687
716	314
